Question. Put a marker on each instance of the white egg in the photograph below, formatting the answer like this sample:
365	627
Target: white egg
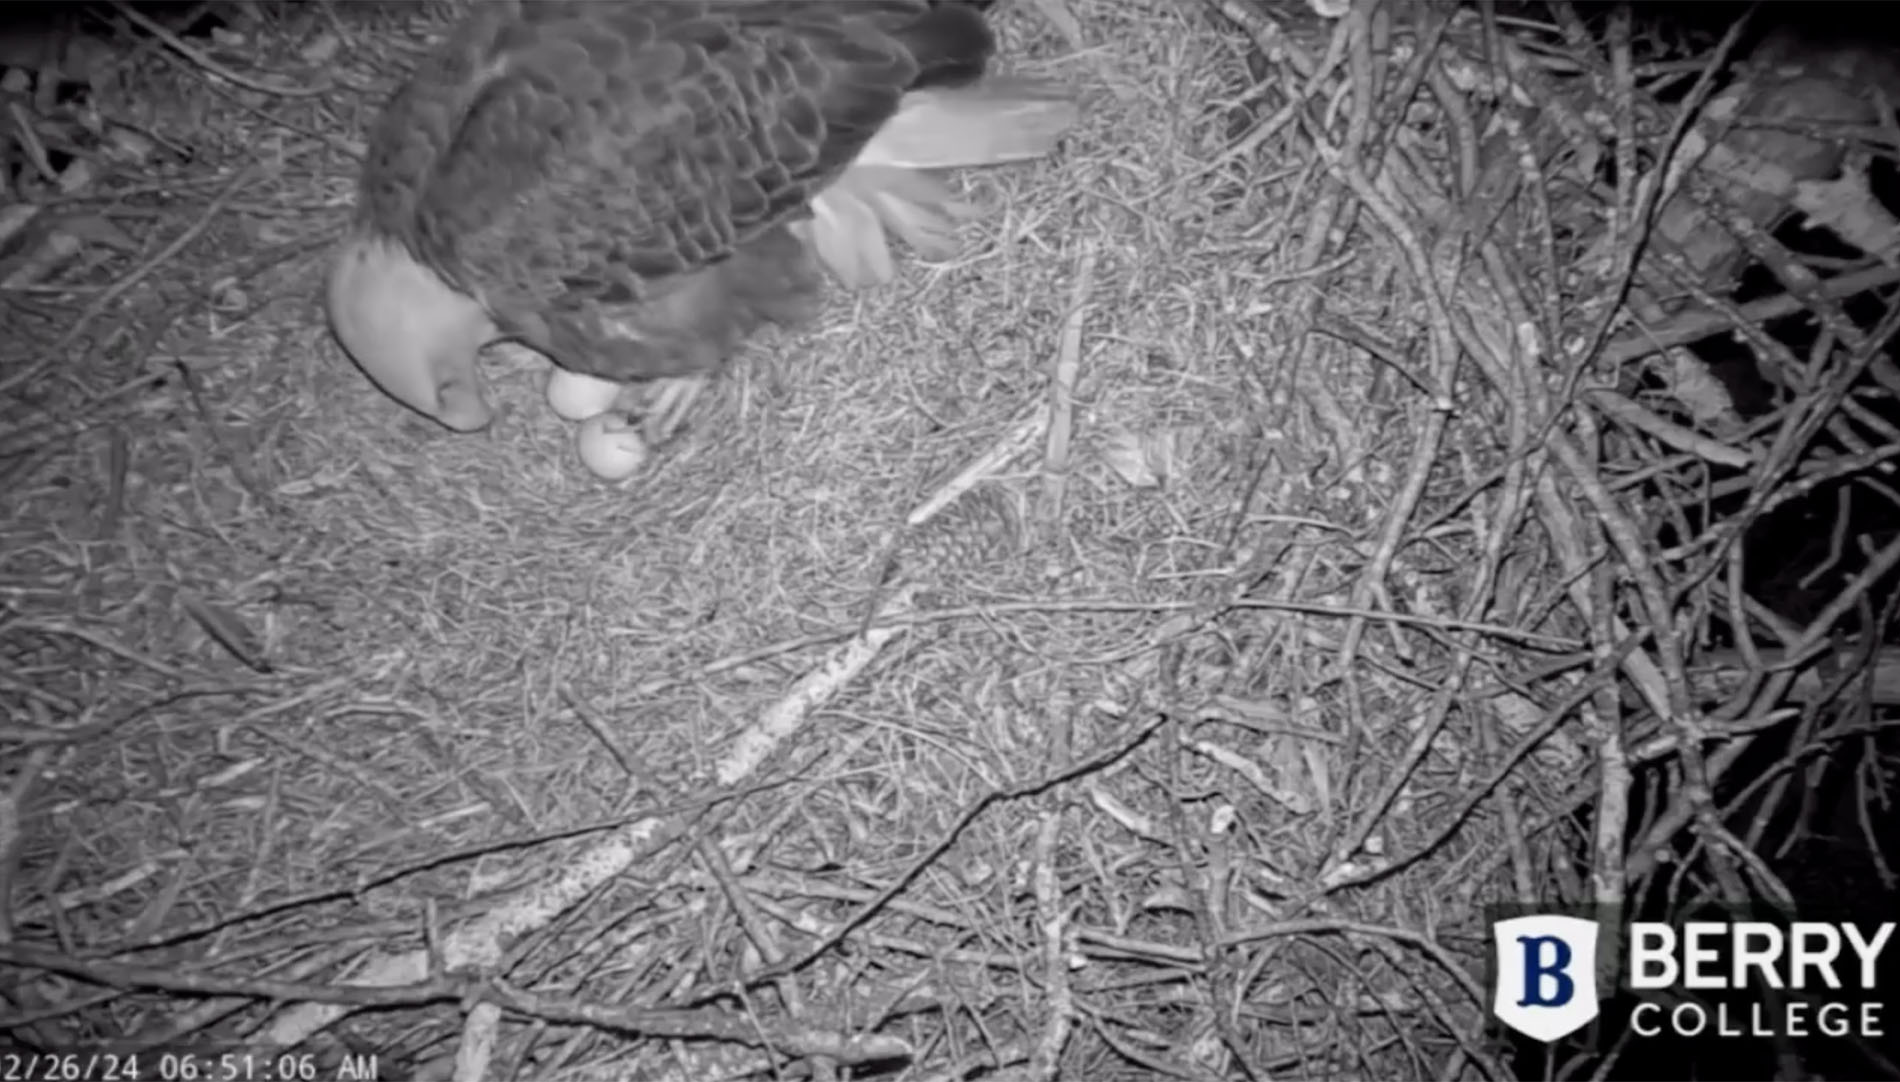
576	397
610	445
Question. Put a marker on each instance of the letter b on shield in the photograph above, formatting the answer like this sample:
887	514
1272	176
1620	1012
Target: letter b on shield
1547	975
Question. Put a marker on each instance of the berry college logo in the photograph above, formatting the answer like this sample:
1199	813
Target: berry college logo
1547	975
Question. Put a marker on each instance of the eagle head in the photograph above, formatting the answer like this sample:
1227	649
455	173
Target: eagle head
413	334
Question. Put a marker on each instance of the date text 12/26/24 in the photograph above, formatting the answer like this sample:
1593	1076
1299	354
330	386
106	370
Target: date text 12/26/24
196	1063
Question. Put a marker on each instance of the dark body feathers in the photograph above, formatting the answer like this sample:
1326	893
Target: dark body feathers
615	180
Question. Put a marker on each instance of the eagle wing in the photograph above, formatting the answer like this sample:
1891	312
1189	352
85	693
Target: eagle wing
566	161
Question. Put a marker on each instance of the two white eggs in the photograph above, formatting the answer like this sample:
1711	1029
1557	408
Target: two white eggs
609	441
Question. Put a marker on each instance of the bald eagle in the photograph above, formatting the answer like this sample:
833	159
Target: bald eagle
632	188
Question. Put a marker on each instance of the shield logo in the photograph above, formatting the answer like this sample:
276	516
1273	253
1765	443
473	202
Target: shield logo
1547	975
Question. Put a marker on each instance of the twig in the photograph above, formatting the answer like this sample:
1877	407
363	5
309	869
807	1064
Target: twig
178	45
55	354
785	717
1052	921
170	979
1020	438
705	1024
479	942
13	809
1068	360
1669	433
1691	325
950	836
475	1052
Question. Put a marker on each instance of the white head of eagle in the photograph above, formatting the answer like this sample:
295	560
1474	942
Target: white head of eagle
410	332
633	188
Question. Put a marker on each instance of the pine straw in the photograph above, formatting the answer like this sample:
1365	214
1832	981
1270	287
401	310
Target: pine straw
310	682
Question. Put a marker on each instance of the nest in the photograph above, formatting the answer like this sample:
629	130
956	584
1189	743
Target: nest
1373	474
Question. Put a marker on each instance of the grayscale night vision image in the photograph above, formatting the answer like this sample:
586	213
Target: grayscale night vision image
949	540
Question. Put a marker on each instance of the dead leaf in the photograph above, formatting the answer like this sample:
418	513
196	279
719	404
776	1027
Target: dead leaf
1149	460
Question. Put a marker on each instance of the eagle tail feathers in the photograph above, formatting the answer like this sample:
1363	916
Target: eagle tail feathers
998	120
890	189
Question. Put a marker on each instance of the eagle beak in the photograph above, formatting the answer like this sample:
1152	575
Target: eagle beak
461	406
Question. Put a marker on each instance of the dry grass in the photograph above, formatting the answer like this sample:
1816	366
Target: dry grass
1147	779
